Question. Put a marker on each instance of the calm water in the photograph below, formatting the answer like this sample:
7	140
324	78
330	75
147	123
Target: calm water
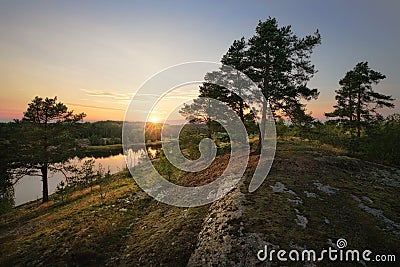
30	187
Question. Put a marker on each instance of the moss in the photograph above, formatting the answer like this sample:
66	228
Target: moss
131	229
298	166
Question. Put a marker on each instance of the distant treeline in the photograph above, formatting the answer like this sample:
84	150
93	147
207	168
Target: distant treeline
110	132
97	133
101	132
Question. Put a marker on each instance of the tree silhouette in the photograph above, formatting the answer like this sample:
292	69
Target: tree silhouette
279	63
47	137
357	102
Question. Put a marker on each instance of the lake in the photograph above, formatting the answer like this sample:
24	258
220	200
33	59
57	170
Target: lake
30	187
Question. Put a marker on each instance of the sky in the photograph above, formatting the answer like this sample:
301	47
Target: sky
94	55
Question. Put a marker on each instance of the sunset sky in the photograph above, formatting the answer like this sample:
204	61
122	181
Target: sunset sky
94	55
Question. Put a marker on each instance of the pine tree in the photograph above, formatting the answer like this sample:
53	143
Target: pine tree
47	137
279	62
357	102
235	58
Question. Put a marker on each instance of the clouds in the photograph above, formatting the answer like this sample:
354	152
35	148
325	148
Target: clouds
115	96
183	93
92	106
59	48
132	97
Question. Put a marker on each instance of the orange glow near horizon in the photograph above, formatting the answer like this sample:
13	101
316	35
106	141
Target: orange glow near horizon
154	119
97	109
317	108
95	57
97	113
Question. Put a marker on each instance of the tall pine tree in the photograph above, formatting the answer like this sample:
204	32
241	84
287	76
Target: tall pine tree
47	137
279	62
357	102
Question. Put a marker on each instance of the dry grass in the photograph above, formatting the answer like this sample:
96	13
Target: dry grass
131	229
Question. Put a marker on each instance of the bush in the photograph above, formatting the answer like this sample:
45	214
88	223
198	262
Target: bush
383	141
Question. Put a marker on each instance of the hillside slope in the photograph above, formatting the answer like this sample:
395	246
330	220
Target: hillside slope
312	197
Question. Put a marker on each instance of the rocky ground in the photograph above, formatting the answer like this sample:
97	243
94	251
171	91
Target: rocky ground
313	196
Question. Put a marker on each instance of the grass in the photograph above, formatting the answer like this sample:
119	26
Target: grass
298	165
82	231
132	229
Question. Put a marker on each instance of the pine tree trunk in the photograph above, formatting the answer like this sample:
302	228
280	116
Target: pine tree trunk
209	131
350	117
359	115
241	105
45	183
351	126
241	112
262	128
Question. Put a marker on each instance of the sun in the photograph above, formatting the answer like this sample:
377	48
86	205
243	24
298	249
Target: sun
154	119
